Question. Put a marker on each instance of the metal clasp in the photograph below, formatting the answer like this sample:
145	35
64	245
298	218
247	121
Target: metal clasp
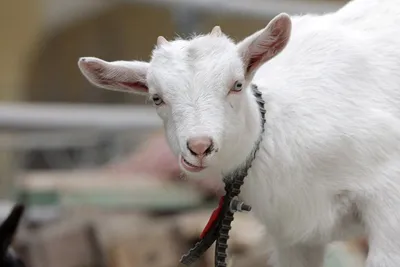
237	205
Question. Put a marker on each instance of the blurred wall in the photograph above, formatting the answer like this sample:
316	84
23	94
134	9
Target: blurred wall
20	28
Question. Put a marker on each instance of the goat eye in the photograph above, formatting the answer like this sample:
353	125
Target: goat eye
237	87
157	100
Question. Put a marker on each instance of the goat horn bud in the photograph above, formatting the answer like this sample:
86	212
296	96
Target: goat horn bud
161	40
216	31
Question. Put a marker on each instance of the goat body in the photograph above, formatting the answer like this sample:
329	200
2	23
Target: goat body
330	155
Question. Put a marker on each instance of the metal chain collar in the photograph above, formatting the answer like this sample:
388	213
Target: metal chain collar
218	230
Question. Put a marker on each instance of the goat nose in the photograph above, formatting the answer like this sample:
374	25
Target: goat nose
200	146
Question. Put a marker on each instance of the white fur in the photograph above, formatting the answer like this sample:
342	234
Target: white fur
330	156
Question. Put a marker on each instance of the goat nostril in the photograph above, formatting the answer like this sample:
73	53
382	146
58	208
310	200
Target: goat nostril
189	148
200	146
209	149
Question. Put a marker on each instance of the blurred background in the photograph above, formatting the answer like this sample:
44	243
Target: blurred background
101	185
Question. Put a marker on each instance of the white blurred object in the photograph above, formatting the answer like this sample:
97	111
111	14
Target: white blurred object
86	116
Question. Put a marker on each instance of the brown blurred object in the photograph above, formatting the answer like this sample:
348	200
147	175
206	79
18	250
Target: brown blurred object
64	244
155	158
138	241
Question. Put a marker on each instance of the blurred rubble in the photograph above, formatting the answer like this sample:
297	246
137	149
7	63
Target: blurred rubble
97	224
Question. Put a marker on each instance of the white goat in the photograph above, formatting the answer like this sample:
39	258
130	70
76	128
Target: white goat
330	155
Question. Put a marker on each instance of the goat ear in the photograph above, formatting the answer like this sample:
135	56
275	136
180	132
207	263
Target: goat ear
266	43
126	76
9	227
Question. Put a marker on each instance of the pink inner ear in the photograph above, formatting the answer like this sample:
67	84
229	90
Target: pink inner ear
136	85
105	82
254	60
99	71
268	48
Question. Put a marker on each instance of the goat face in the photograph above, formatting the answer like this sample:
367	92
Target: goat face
200	88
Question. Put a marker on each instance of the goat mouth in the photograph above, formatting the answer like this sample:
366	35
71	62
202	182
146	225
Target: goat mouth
190	167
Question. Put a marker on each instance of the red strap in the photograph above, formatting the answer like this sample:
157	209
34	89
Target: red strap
213	217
